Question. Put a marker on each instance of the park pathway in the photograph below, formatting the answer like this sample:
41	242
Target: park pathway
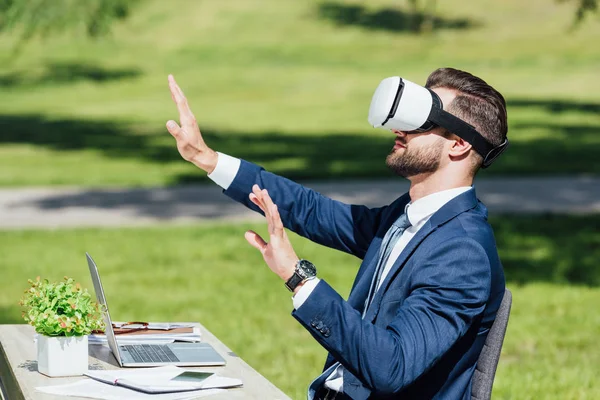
72	207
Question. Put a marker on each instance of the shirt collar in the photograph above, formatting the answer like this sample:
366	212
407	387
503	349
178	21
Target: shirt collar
419	211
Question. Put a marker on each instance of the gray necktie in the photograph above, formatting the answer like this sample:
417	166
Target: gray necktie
387	245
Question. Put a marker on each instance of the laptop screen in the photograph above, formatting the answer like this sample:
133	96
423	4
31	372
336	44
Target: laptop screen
110	335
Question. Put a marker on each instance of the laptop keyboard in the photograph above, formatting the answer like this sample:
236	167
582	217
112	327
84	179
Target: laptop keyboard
151	353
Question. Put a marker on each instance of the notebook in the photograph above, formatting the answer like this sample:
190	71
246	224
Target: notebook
168	379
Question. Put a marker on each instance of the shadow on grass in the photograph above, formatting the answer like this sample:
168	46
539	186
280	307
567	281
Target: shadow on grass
67	73
568	149
556	105
11	315
388	19
565	148
550	248
300	156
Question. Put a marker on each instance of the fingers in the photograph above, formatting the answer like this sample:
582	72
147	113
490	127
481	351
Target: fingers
277	223
174	129
186	117
270	207
267	200
256	241
176	92
256	201
260	202
262	199
258	197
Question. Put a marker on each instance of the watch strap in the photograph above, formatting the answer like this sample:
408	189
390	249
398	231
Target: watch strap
294	281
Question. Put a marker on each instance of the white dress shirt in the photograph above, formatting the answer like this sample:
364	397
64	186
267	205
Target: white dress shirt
418	214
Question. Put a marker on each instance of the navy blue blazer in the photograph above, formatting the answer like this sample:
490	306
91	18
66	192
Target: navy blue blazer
424	330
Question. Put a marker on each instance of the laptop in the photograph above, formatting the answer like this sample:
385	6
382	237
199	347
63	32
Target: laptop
152	355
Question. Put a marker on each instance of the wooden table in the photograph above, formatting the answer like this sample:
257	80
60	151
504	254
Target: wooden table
19	376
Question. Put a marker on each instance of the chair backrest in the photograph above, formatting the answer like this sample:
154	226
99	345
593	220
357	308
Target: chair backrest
483	378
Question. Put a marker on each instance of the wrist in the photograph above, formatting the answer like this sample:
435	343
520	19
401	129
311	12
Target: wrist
206	160
297	289
289	273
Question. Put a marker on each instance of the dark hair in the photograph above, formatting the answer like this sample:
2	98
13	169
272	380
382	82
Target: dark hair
477	103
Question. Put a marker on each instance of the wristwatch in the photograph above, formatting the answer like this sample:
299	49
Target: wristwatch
305	270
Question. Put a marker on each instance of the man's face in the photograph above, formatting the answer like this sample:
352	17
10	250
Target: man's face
415	154
419	153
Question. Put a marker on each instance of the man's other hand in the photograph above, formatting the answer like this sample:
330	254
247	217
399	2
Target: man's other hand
190	143
278	252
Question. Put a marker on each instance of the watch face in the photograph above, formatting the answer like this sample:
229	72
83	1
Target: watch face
308	268
304	270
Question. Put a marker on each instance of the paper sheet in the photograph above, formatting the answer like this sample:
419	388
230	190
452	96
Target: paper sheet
159	377
157	325
152	339
92	389
161	338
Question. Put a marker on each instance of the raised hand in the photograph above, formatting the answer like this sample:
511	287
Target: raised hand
278	252
190	143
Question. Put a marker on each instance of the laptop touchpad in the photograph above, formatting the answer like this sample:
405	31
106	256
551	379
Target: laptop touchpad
196	352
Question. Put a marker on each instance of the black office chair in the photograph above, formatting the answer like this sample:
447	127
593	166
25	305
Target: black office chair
483	378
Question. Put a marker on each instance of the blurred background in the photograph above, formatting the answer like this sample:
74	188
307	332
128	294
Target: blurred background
287	84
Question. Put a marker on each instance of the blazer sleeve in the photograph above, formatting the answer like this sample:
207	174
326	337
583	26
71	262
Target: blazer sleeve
345	227
450	291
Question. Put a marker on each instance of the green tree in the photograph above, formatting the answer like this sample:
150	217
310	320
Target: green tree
584	7
43	17
424	12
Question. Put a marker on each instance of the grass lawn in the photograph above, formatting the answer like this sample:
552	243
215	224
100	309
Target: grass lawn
208	273
287	84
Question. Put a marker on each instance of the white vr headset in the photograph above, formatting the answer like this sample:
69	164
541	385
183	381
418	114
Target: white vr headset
403	105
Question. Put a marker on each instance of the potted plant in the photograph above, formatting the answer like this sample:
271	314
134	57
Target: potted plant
63	314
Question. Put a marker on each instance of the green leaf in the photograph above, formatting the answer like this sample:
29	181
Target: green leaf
42	18
61	309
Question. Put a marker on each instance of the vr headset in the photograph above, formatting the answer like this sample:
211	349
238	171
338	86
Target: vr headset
403	105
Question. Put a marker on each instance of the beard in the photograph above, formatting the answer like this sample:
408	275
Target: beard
415	161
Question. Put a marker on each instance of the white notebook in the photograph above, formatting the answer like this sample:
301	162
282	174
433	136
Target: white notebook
168	379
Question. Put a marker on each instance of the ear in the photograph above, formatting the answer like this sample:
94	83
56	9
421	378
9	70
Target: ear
459	148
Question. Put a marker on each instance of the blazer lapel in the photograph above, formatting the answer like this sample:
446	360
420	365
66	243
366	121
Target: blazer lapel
400	261
362	282
454	207
360	289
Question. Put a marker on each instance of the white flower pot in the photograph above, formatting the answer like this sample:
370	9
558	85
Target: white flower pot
61	355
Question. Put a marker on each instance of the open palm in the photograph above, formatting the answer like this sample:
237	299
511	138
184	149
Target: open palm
278	253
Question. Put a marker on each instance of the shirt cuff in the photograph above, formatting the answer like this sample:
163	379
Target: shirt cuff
225	171
300	297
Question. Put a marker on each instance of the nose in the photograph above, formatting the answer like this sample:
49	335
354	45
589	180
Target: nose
399	133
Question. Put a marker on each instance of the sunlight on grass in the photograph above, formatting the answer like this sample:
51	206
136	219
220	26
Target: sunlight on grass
281	76
210	274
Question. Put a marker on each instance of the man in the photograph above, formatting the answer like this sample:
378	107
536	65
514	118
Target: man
431	281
